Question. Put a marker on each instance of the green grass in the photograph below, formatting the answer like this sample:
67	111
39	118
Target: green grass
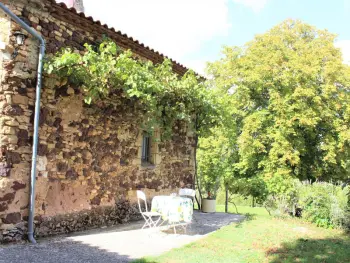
257	211
262	238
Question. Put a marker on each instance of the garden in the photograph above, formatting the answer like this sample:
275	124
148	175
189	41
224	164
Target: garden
283	137
272	130
279	153
263	238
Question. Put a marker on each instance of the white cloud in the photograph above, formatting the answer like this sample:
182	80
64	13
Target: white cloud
256	5
344	45
347	5
174	28
198	65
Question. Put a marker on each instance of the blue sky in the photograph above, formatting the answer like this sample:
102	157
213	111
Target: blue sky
194	31
246	22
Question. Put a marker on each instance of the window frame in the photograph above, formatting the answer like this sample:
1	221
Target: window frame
146	159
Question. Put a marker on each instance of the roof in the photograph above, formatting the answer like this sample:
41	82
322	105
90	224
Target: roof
123	40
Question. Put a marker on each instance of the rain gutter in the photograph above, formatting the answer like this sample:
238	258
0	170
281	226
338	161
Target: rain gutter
36	118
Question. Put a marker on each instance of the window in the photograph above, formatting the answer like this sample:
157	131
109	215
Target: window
146	149
148	155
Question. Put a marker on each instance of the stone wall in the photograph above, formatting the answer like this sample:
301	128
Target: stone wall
89	157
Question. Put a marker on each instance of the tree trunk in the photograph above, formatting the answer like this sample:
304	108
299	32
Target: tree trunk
195	179
253	202
226	198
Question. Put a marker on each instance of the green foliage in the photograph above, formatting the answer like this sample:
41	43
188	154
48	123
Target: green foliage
213	163
325	204
238	199
246	187
282	195
109	75
287	105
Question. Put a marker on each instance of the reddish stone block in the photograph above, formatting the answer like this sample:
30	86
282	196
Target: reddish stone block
12	218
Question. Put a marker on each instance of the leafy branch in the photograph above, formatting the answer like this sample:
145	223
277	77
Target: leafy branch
162	96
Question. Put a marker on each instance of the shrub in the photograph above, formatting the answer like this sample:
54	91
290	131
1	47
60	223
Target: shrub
325	204
283	196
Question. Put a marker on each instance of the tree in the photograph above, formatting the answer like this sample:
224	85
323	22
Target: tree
213	161
289	104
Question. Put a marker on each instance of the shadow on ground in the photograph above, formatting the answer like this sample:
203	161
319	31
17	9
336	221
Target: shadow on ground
59	251
118	244
247	217
205	223
312	250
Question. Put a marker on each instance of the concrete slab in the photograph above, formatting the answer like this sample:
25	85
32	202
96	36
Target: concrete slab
121	243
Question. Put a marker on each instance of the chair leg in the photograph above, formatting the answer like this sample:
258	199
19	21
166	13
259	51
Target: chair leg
156	222
148	222
162	222
185	227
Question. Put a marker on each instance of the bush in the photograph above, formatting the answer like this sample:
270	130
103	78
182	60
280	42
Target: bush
283	196
278	206
325	204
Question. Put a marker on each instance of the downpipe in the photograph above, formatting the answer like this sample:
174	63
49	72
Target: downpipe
36	117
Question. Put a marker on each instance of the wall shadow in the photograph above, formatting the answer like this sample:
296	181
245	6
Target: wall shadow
312	250
59	251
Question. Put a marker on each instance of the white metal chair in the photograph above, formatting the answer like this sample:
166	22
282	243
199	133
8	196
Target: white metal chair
147	215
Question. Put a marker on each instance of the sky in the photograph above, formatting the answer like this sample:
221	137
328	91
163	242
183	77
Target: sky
193	32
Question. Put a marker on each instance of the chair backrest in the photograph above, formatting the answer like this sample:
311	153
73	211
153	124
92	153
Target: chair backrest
141	196
187	192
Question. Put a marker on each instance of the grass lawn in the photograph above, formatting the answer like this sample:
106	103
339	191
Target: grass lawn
262	238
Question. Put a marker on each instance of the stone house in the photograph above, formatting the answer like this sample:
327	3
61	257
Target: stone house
90	157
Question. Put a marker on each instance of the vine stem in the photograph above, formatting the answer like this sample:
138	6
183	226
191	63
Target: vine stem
196	180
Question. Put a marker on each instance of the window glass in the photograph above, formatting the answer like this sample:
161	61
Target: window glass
146	148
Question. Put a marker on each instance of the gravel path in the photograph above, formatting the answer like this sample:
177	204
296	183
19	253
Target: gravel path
118	244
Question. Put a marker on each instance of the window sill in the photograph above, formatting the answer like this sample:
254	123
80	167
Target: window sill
146	165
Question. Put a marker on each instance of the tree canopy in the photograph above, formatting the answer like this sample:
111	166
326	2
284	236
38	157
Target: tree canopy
213	161
288	105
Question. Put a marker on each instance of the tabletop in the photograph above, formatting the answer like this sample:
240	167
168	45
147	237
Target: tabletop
174	209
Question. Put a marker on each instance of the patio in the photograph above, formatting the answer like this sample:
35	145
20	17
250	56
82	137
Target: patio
121	243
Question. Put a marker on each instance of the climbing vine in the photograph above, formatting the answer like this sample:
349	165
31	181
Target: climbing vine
109	74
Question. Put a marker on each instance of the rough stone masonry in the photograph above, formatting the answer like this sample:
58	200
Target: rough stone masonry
89	157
